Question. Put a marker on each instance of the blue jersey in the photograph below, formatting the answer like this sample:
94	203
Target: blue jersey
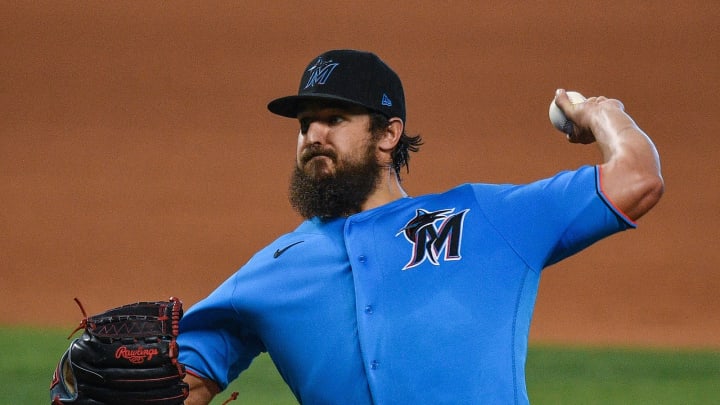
425	300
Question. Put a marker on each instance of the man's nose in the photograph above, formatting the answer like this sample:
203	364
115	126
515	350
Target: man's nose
316	133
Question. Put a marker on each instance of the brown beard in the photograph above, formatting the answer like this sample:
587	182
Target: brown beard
337	195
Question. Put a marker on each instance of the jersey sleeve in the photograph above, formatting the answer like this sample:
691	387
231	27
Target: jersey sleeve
554	218
213	342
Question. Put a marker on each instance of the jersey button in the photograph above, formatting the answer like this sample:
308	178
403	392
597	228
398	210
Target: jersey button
369	309
374	364
362	258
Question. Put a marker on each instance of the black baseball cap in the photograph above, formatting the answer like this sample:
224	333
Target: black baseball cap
351	76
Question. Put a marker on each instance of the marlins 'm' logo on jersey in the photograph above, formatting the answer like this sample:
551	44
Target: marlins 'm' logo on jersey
432	233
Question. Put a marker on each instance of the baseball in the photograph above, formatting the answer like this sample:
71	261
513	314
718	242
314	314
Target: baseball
558	119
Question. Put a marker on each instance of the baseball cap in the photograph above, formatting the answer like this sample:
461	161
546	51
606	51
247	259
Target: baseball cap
351	76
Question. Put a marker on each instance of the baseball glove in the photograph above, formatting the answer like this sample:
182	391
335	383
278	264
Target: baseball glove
126	355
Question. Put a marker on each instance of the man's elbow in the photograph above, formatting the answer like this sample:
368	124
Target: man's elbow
650	190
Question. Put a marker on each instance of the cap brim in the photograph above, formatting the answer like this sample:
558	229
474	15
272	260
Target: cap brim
290	106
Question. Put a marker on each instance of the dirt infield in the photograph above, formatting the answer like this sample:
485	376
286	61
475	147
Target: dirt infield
138	161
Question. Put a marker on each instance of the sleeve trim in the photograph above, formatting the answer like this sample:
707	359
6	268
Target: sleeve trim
608	201
194	373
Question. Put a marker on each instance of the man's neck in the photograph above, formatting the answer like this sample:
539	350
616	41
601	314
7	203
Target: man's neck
387	191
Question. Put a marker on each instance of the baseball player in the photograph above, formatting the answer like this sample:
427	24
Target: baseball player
379	297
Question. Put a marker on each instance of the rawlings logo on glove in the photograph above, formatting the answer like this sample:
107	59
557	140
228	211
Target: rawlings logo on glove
137	356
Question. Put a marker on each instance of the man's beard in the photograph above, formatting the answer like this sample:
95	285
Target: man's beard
335	195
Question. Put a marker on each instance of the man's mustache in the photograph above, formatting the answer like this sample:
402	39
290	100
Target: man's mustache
313	151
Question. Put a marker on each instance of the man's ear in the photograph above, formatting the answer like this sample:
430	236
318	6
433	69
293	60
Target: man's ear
391	136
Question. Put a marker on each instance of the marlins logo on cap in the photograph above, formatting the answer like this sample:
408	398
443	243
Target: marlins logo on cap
320	72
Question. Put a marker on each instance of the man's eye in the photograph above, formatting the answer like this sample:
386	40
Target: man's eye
304	126
331	121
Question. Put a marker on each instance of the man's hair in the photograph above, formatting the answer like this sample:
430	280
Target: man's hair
406	144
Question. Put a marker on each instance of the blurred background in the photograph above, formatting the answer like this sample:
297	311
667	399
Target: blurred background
138	160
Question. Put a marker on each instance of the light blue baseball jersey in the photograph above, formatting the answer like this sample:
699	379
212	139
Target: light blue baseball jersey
425	300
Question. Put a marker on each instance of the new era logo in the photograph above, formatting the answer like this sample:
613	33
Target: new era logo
386	100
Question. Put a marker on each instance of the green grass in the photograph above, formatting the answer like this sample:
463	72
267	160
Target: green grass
622	376
556	375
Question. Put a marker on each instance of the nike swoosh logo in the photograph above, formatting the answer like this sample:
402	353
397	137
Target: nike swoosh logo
281	251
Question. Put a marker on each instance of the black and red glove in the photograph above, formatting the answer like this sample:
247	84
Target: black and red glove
126	355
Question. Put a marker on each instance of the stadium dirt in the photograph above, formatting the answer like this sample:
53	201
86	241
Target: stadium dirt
137	160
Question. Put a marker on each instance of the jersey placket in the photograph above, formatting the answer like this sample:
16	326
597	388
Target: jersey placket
367	282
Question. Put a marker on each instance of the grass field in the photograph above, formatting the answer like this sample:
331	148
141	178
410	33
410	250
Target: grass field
555	375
